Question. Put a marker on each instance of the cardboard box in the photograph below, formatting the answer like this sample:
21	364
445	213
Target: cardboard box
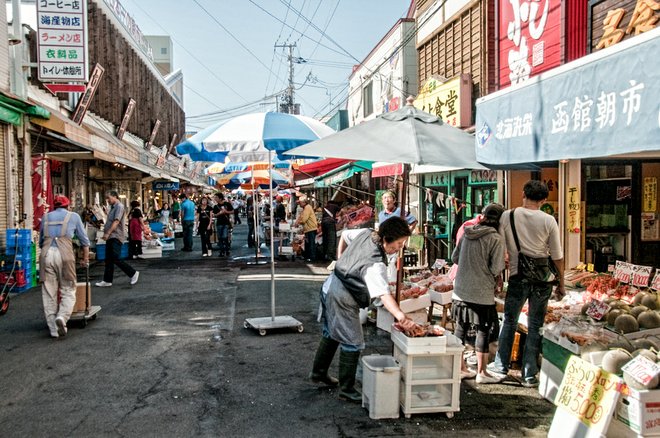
413	304
81	302
640	412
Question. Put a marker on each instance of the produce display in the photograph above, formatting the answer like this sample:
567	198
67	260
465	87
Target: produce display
640	313
438	283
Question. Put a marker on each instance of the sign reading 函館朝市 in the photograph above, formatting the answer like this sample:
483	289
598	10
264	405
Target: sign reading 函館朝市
62	40
450	100
529	38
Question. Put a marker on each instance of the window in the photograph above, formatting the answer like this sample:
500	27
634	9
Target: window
163	50
368	99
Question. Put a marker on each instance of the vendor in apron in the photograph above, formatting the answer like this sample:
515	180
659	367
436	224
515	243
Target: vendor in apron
360	275
57	264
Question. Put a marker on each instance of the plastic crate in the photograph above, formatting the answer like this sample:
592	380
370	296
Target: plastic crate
21	289
156	227
18	277
100	251
18	237
381	376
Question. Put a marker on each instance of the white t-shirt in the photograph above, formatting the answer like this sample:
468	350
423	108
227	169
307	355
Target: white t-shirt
538	234
376	276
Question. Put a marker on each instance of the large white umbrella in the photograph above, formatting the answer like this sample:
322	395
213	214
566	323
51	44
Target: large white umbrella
254	137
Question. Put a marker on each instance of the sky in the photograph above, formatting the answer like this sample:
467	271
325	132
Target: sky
226	49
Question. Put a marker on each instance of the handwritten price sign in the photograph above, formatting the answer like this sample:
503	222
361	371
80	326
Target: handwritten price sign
641	275
655	284
623	271
597	309
588	393
641	369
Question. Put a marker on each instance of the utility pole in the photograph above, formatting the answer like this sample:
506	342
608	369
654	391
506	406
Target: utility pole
289	105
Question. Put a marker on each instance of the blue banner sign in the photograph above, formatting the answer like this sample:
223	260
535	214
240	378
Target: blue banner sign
165	185
604	104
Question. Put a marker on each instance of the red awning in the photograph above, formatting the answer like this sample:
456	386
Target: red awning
386	169
322	166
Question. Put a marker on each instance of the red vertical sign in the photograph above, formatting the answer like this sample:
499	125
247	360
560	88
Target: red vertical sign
42	190
529	38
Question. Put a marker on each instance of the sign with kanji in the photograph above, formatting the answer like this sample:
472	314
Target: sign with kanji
650	201
126	119
451	100
529	38
62	40
86	98
623	271
641	275
587	394
573	210
613	21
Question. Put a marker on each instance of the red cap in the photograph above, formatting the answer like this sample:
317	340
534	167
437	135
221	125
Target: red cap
61	201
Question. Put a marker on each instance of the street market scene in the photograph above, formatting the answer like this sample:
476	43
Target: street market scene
378	218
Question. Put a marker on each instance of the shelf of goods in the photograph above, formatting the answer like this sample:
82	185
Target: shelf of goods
430	373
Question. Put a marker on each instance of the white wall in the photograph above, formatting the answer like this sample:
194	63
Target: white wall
397	78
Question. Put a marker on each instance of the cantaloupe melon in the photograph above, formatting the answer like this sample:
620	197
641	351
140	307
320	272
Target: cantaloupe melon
649	319
635	311
612	315
626	323
614	360
650	301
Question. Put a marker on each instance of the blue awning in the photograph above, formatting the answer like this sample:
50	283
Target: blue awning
604	104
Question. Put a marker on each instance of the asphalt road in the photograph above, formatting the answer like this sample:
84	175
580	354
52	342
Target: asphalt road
170	357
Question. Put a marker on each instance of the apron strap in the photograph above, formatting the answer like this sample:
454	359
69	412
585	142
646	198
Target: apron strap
65	224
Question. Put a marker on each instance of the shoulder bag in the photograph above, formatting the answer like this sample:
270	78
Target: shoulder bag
535	270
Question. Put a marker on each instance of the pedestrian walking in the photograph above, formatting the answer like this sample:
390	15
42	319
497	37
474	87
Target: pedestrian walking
279	215
187	222
114	236
329	230
204	222
135	230
57	264
480	254
236	205
249	211
538	236
308	221
222	211
176	210
360	275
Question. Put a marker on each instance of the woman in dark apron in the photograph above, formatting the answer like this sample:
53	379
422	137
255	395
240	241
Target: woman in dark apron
360	275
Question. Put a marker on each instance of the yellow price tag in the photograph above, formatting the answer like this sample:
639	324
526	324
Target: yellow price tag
581	267
590	267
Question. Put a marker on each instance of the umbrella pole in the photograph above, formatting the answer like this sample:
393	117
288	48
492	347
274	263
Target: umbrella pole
272	234
402	209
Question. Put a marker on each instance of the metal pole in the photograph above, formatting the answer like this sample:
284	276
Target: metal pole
402	207
272	234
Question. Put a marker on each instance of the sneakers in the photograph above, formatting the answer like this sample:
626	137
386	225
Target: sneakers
530	382
103	284
485	380
468	375
61	326
205	255
134	278
495	372
209	253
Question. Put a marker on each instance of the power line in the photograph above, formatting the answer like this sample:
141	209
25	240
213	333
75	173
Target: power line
287	25
247	49
295	23
190	53
318	5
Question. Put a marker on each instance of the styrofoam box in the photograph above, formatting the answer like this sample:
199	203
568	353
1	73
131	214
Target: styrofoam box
426	344
413	304
640	412
152	253
441	297
381	376
550	379
384	319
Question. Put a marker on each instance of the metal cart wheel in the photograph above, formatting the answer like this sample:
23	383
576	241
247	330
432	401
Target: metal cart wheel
262	332
94	317
83	322
300	328
245	324
450	415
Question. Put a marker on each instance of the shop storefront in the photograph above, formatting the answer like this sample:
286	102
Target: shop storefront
596	123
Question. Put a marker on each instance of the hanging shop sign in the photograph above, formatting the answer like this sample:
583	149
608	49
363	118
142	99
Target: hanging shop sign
573	204
613	21
152	137
42	191
162	157
650	201
62	41
600	105
172	144
126	119
164	185
529	38
449	100
131	27
86	98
